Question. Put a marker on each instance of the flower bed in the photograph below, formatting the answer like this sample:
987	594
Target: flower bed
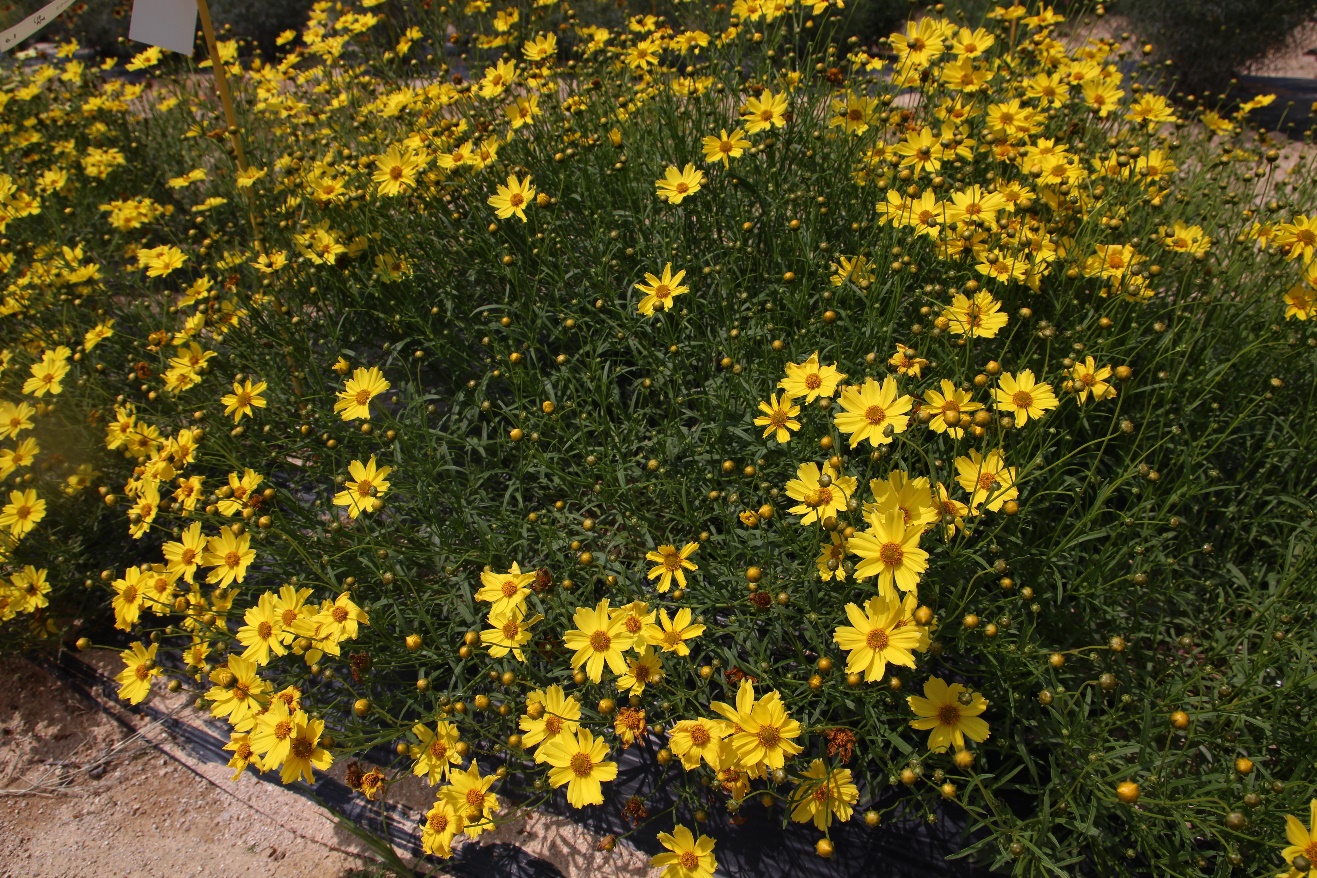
853	433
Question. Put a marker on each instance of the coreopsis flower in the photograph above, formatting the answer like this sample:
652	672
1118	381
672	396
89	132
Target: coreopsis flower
239	491
337	621
240	745
660	291
513	199
1181	238
396	170
47	376
822	794
951	512
911	497
128	598
635	616
239	693
765	112
272	736
229	555
976	204
671	564
505	590
291	605
725	146
262	632
980	317
1303	843
950	405
987	479
244	397
642	670
831	558
687	856
542	47
695	739
549	713
441	826
435	751
879	634
810	379
18	457
354	399
580	762
906	361
305	752
921	151
139	667
1023	396
508	632
950	721
1088	378
1301	300
15	418
598	639
779	418
868	410
890	550
498	77
362	493
468	793
97	334
671	633
764	730
30	589
144	510
855	269
679	184
22	513
822	495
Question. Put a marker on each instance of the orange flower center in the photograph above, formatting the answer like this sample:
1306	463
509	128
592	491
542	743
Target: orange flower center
875	415
511	630
876	639
700	735
948	715
439	750
891	554
232	559
581	764
302	748
987	481
363	397
600	641
553	724
1022	399
283	729
264	630
688	860
768	736
509	588
813	381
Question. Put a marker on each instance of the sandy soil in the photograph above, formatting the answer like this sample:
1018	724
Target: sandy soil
86	793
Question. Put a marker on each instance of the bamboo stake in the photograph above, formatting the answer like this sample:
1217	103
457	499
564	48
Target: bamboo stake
221	83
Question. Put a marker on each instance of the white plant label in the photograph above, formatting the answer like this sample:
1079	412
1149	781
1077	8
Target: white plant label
33	23
169	24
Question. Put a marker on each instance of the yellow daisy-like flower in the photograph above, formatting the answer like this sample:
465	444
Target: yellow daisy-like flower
642	670
986	479
890	550
764	730
822	495
831	558
764	112
354	399
950	405
504	590
725	146
263	631
549	713
305	752
687	856
677	185
435	751
951	722
229	555
868	411
779	418
980	317
513	199
139	667
811	380
243	399
1024	396
442	824
22	513
1303	842
671	563
580	762
671	633
1088	377
368	484
598	639
469	795
396	170
880	634
509	631
695	739
660	291
822	794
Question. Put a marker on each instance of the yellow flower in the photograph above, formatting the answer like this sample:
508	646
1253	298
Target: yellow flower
911	497
986	479
354	399
128	596
183	555
305	752
1088	378
22	513
396	170
243	398
263	631
642	670
822	495
238	693
661	290
549	713
671	634
830	559
504	590
442	824
436	752
779	418
696	739
890	550
882	633
139	667
950	720
1303	842
580	762
513	198
811	380
765	112
950	406
469	796
687	857
677	185
229	555
764	729
598	640
368	484
509	631
47	375
868	411
671	563
822	794
1023	396
725	146
240	745
977	318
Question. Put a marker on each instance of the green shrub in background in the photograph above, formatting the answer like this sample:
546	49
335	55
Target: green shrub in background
924	431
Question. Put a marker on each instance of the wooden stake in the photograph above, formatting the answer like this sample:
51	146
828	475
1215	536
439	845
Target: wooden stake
221	83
